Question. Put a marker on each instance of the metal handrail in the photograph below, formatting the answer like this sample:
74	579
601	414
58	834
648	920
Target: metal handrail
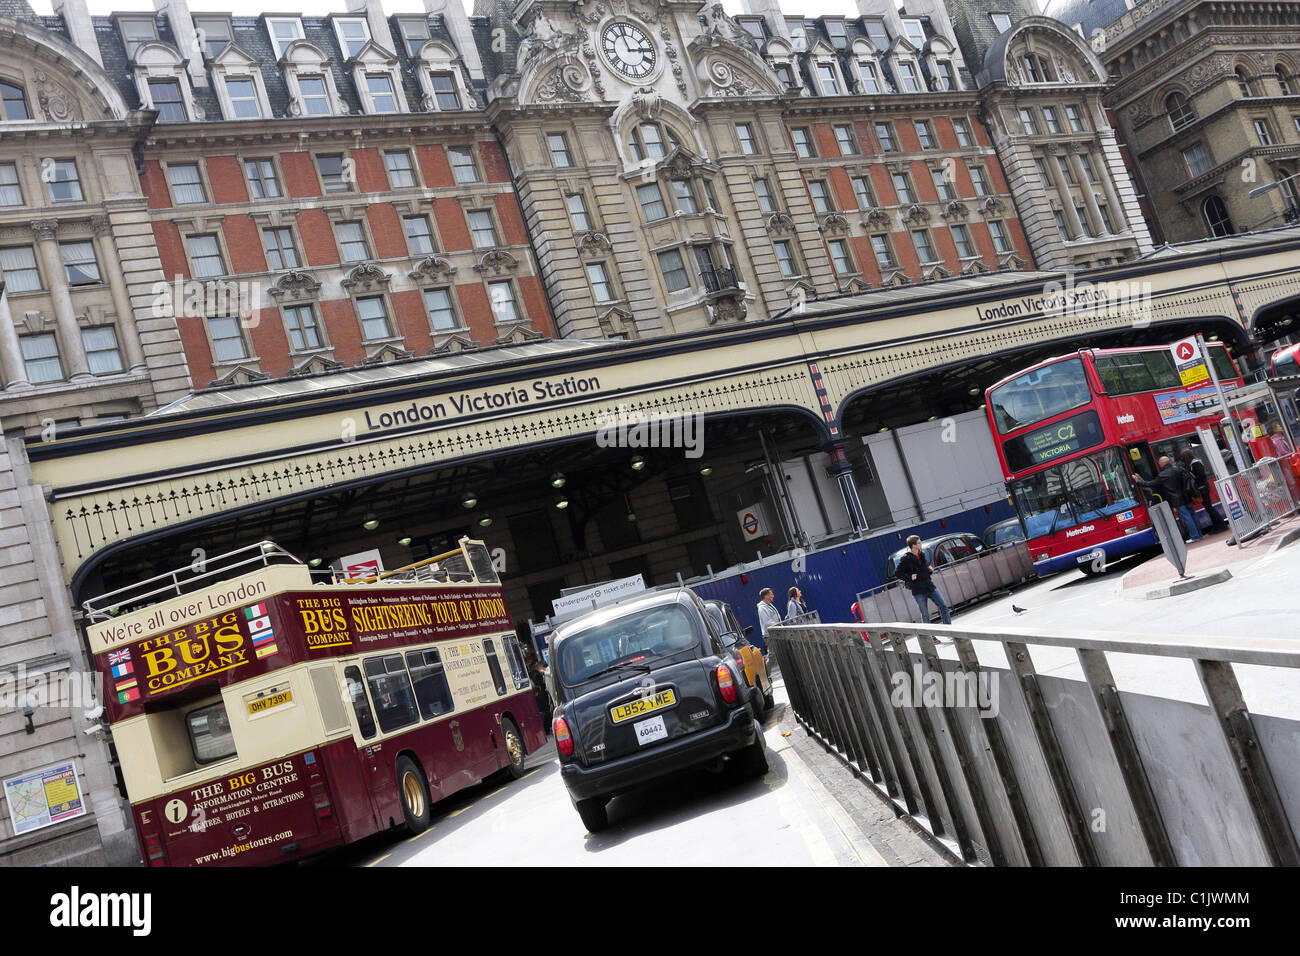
1028	779
265	554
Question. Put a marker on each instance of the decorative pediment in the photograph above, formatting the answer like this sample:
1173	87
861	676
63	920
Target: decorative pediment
567	83
954	209
388	352
303	54
194	224
916	213
681	162
719	27
617	322
496	261
93	317
295	286
433	269
233	55
799	293
780	223
875	217
240	375
315	365
1012	261
857	284
366	278
991	206
833	222
34	320
516	333
372	55
974	267
451	343
895	277
936	271
158	54
593	243
273	217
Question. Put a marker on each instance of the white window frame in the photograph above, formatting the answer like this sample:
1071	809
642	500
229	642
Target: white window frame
290	328
456	322
406	233
494	301
362	239
411	170
287	42
343	41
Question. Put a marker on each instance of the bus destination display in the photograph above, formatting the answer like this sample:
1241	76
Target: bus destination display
1054	441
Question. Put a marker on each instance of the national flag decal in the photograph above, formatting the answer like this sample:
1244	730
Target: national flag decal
266	650
126	696
119	657
257	610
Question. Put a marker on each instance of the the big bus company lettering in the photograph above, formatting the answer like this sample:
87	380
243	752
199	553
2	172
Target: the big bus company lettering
323	622
199	650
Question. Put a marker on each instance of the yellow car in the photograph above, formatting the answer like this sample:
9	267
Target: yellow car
736	640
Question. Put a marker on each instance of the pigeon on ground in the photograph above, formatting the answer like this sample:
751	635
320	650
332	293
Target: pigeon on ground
1019	610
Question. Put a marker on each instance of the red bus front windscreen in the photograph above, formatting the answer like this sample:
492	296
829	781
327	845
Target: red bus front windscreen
1053	441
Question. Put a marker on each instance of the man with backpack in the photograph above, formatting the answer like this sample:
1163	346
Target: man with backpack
1175	486
1201	479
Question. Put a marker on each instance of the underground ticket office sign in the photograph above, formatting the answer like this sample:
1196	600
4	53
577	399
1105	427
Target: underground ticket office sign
222	820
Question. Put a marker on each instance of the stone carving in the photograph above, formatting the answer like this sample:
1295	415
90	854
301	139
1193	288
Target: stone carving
833	223
591	13
875	217
992	206
453	343
727	310
496	261
780	223
726	81
647	103
58	105
717	23
593	243
670	51
101	225
388	352
565	84
954	209
916	213
432	269
315	365
543	36
295	285
45	228
366	277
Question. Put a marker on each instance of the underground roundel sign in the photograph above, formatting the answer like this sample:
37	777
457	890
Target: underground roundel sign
751	522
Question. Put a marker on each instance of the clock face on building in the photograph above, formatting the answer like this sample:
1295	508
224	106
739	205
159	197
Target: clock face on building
628	49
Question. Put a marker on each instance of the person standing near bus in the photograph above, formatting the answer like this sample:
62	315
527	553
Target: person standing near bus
1196	468
794	606
915	571
1173	484
768	614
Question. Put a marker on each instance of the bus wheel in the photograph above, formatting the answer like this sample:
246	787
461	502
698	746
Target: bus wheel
415	795
514	748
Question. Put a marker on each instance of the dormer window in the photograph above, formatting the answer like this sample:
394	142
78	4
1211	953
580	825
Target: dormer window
315	97
382	97
835	30
870	77
786	75
798	33
136	32
13	103
283	31
353	34
915	32
647	141
415	34
444	91
1001	21
877	33
945	78
754	27
907	76
1036	69
243	98
827	80
167	100
213	34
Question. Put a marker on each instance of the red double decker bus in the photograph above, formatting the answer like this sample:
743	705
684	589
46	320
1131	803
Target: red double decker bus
1072	432
260	715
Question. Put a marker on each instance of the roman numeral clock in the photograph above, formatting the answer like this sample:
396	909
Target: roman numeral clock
629	50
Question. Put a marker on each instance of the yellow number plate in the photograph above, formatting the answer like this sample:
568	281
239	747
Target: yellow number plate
635	708
266	703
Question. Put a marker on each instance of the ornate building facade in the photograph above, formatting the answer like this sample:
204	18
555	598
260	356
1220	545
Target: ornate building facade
1207	96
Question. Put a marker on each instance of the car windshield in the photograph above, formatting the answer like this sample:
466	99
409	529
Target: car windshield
638	638
1040	394
1085	489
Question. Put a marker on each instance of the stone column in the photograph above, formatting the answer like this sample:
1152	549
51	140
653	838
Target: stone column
11	353
72	349
842	469
128	335
1067	200
1089	200
1113	204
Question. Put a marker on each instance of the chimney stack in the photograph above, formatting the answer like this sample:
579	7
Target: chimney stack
76	14
178	15
462	35
379	29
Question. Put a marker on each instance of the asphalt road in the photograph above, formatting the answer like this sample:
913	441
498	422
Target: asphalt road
695	818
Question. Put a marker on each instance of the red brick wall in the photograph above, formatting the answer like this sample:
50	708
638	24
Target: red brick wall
244	245
171	252
512	224
271	343
944	244
198	354
226	179
905	253
371	175
386	227
824	138
535	305
905	133
435	169
842	189
300	179
477	313
317	237
154	184
412	323
865	258
344	331
452	227
495	167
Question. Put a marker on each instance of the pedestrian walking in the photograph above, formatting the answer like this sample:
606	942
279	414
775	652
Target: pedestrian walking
768	614
915	571
795	607
1175	486
1201	480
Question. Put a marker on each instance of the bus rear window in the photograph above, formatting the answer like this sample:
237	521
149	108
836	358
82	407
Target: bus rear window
210	736
1039	395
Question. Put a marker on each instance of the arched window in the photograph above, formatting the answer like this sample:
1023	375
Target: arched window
13	102
1285	80
1216	217
1037	69
1291	193
1181	112
1244	82
650	141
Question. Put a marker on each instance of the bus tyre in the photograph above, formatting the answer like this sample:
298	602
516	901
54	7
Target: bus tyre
414	791
593	814
514	742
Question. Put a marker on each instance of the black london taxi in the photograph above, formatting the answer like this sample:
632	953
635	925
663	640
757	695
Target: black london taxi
644	688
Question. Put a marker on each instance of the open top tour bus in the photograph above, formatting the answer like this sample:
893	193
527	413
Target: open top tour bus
260	717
